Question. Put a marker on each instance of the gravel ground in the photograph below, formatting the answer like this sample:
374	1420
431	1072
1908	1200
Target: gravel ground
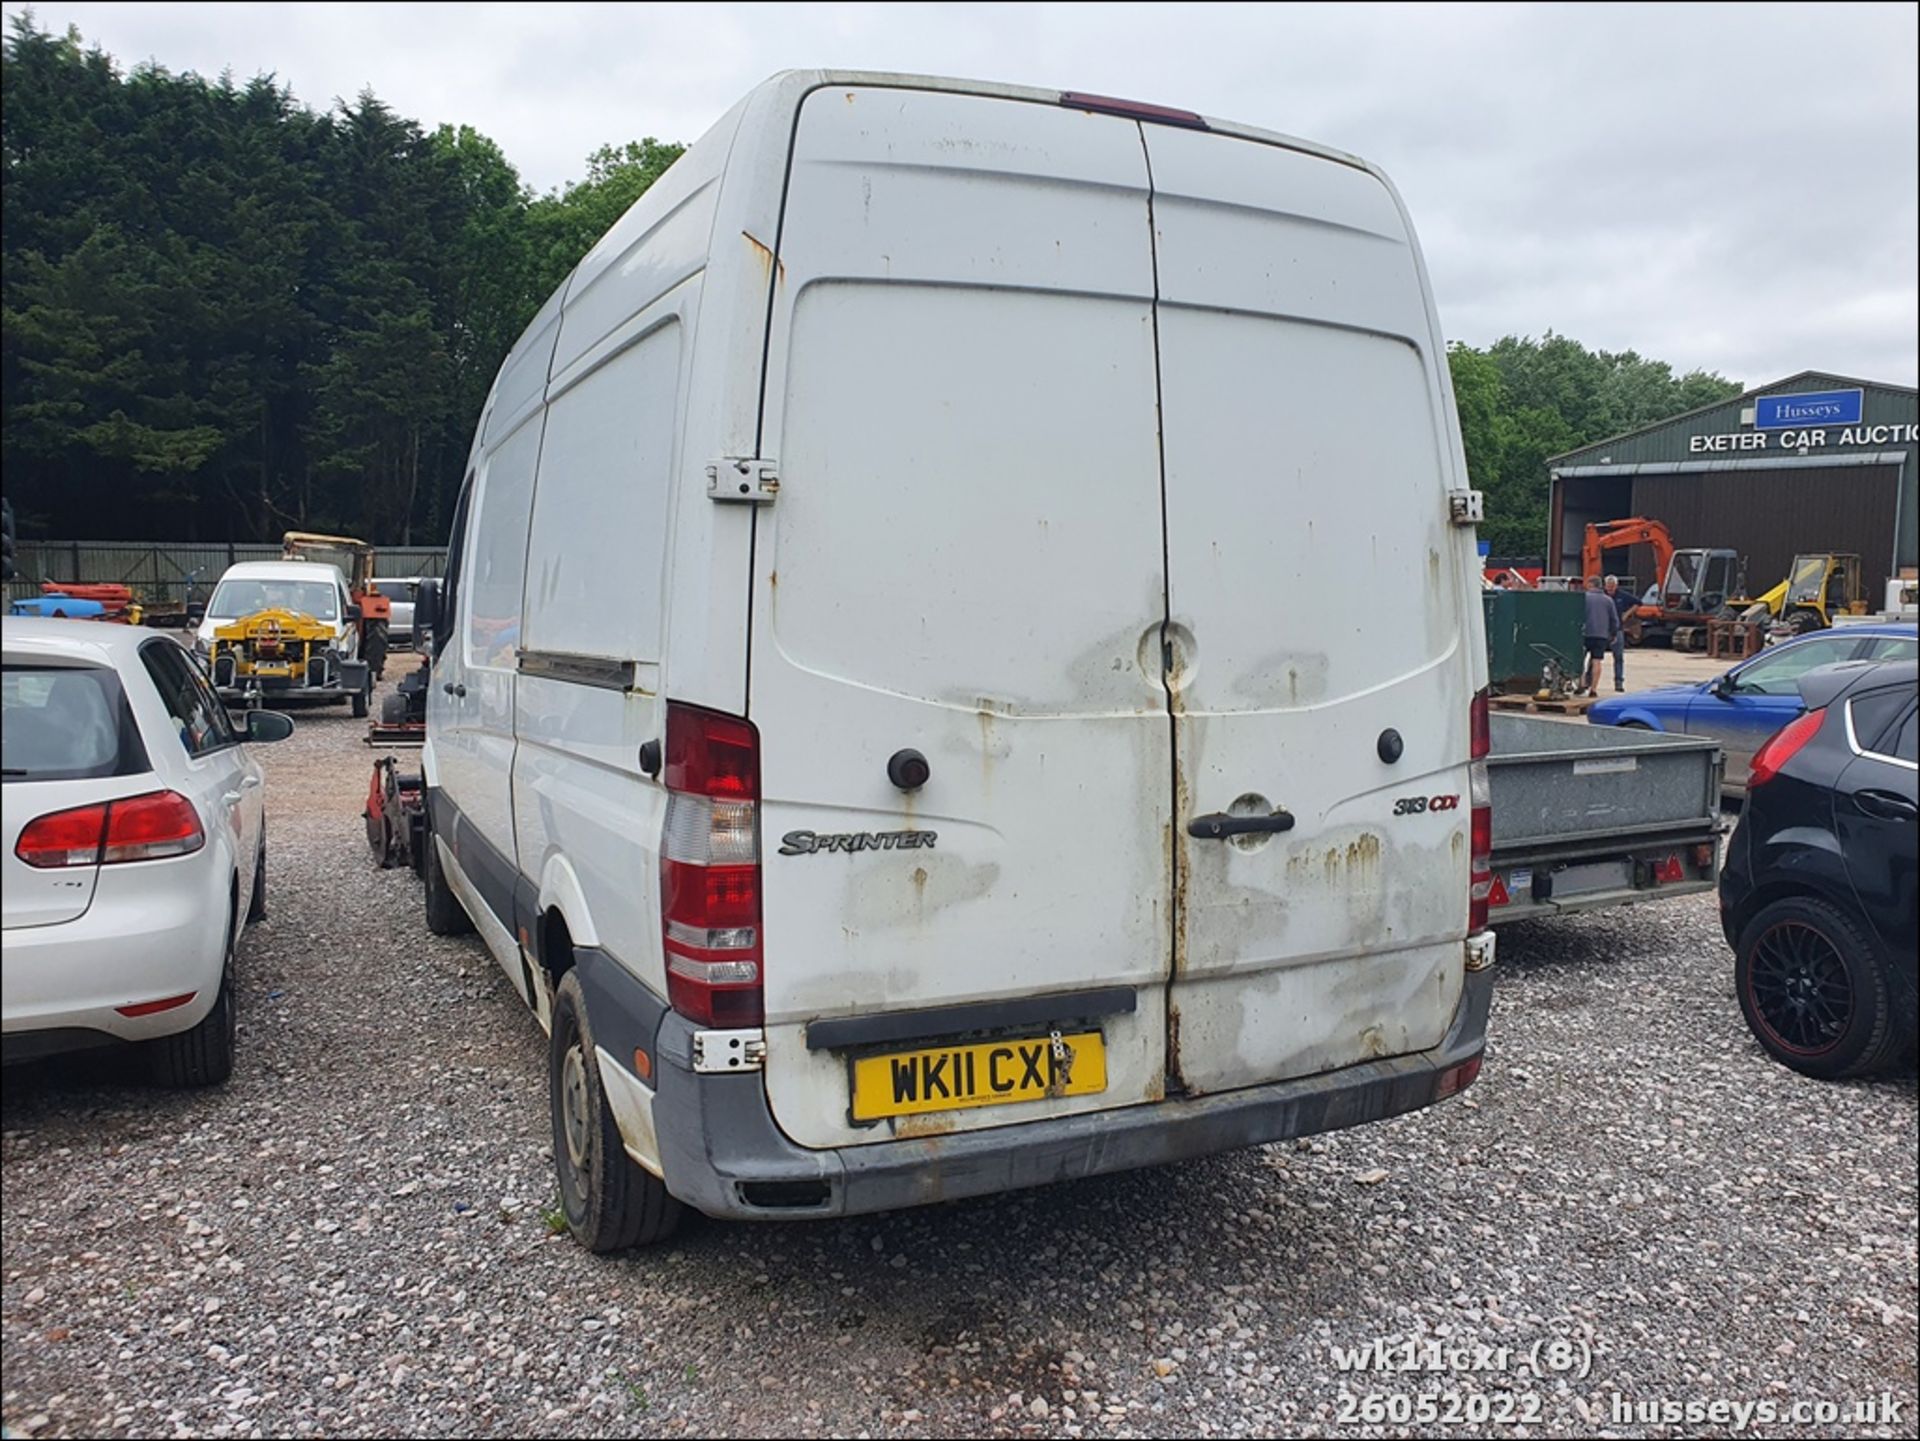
355	1236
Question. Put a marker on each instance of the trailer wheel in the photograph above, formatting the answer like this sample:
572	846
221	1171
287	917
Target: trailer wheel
361	700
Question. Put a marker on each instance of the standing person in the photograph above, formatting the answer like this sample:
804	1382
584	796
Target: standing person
1602	625
1622	603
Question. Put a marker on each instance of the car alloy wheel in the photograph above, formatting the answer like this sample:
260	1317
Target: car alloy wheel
1799	988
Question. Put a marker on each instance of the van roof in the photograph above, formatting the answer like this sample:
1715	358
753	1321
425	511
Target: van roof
794	85
283	570
747	149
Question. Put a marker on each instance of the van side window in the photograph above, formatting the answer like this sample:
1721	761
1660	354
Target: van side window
450	585
497	557
606	464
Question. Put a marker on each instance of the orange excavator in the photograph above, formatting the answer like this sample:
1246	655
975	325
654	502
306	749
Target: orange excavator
1696	584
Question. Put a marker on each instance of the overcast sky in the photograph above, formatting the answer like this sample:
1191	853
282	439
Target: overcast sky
1732	187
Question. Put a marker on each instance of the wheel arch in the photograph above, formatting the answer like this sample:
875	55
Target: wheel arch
1633	716
1805	886
565	919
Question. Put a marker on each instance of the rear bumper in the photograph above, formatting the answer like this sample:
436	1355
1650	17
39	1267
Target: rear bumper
721	1152
152	931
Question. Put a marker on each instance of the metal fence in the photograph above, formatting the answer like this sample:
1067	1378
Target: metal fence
173	572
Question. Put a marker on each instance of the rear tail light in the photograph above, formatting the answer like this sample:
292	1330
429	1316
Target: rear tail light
140	828
1480	877
1785	745
1669	870
710	867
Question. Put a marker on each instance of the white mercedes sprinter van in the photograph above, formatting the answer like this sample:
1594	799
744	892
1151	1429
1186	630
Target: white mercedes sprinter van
960	664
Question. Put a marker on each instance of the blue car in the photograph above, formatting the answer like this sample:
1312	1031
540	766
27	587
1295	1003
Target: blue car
1742	707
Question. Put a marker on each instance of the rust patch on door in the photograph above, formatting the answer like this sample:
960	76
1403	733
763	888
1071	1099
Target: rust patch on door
769	263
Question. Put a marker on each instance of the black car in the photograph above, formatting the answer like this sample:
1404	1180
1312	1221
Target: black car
1818	895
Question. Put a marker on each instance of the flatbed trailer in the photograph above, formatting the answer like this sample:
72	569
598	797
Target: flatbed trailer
1590	816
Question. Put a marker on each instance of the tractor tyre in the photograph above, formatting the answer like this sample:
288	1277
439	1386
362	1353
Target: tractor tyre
374	648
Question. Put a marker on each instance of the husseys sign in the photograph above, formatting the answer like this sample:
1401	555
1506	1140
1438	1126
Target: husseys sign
1810	420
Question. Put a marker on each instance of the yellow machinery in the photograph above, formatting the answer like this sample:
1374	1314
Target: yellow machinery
1817	588
375	609
282	653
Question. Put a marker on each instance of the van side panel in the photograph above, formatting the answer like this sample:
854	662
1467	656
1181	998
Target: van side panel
589	689
964	559
1313	585
474	737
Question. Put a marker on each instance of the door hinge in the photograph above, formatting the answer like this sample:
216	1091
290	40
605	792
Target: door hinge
741	479
1466	507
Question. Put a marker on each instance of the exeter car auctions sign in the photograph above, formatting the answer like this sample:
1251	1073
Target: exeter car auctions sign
1805	438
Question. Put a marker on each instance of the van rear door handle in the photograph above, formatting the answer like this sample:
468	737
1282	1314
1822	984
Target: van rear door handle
1885	805
1219	825
452	689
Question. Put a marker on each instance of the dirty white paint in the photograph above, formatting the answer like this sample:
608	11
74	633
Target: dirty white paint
1110	548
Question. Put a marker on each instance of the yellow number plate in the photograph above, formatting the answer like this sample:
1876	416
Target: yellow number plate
986	1073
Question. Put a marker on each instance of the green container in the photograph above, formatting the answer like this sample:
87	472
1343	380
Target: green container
1518	620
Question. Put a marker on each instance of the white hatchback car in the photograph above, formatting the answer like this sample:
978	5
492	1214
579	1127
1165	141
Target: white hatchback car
136	847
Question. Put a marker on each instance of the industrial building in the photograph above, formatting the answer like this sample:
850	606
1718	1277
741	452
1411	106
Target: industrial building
1815	462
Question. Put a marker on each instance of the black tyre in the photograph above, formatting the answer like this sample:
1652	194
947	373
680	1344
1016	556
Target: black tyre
257	901
445	915
610	1203
374	649
1815	990
362	700
202	1056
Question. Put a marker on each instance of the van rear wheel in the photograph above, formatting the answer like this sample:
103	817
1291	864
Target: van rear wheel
610	1202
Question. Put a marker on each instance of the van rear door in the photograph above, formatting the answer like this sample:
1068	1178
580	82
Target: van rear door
965	559
1314	604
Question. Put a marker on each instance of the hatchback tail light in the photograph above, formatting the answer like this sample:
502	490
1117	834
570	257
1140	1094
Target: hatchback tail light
139	828
1480	868
1785	745
710	867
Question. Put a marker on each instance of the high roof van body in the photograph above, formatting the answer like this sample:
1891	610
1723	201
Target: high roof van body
960	657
